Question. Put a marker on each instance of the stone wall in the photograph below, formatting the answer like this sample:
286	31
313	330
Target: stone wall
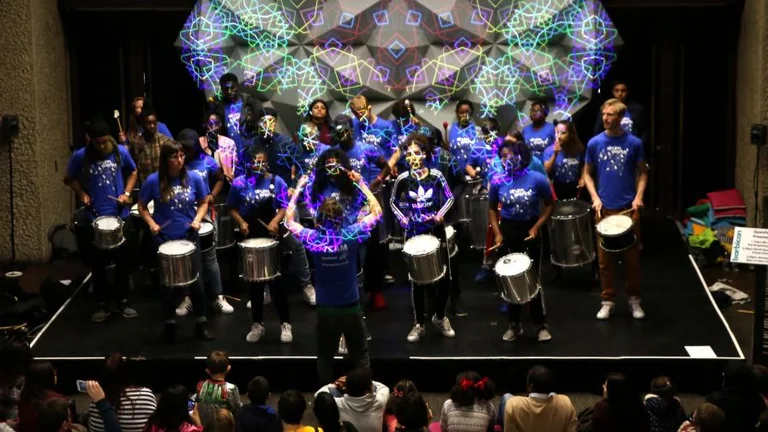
752	101
34	84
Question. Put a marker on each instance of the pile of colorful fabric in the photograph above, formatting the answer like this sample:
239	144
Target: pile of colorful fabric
710	223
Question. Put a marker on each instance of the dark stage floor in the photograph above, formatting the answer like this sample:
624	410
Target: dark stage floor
679	314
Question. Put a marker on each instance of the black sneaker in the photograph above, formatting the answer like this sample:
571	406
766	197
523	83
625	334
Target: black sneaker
201	331
101	313
457	308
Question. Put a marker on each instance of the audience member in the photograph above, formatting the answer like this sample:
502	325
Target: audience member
257	415
400	390
328	417
706	418
215	392
542	409
222	421
412	413
361	400
621	409
290	408
173	415
666	414
761	374
38	389
14	360
54	416
469	409
134	405
739	399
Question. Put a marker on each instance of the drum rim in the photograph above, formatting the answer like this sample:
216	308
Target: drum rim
272	243
194	248
530	264
619	250
625	232
568	217
426	253
119	219
206	223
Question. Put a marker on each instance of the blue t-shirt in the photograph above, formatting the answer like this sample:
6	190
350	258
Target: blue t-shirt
380	134
249	193
204	166
363	158
464	143
567	169
495	168
615	161
280	152
179	210
334	255
539	139
520	197
103	180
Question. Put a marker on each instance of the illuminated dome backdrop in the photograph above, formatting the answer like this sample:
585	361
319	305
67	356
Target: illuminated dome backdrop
498	54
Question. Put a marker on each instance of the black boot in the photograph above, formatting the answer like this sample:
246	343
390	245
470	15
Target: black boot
201	331
169	332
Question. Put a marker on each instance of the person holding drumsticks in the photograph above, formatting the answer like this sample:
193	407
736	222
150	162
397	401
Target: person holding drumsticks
175	193
564	161
102	175
257	203
517	195
616	158
333	245
420	200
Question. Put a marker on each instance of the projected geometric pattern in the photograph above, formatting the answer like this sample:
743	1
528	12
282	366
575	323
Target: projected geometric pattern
497	53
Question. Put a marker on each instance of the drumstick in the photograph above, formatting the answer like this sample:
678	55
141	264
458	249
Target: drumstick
263	224
117	117
529	238
113	198
627	211
494	247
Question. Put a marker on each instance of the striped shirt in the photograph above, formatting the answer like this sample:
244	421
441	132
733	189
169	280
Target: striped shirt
136	406
479	417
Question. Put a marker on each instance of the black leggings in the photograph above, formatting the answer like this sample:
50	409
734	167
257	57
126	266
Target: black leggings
101	261
438	292
514	233
277	287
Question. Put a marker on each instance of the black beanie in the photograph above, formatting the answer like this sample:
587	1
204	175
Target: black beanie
97	128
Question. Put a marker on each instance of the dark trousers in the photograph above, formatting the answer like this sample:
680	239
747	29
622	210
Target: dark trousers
514	233
172	296
279	298
102	261
375	265
437	292
332	322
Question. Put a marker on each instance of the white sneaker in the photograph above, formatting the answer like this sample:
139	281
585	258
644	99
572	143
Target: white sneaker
637	310
185	307
248	305
444	326
417	332
512	333
342	345
257	331
267	296
606	310
309	294
221	304
544	334
286	333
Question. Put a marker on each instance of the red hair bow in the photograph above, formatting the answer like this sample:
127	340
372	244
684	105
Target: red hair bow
480	385
466	384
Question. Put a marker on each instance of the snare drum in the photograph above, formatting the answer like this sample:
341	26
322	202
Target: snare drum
259	259
570	230
616	233
178	266
225	227
517	280
450	238
108	232
423	258
478	225
135	209
207	237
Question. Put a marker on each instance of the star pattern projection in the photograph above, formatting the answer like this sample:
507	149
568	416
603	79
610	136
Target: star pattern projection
497	53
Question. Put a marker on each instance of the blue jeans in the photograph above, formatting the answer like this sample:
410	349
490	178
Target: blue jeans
210	273
299	262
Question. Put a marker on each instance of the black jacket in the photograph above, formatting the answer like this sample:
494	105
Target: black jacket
257	418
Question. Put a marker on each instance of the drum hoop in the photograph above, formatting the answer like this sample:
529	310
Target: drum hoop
194	279
275	276
437	249
119	225
190	253
621	234
110	247
619	250
530	266
273	244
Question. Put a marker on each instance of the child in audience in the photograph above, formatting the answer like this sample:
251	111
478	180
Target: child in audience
215	392
363	399
258	416
664	409
223	421
291	408
327	414
413	414
172	414
469	409
400	390
133	404
38	389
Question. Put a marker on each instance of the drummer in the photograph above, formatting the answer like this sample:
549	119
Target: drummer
175	193
257	203
102	175
420	200
564	161
306	151
518	194
615	156
196	161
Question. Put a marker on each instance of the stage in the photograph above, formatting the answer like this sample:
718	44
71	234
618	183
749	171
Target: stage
680	314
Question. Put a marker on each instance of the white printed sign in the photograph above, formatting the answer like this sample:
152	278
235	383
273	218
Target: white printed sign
750	246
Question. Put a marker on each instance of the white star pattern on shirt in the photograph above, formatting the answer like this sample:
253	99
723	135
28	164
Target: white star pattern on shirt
182	198
615	159
104	171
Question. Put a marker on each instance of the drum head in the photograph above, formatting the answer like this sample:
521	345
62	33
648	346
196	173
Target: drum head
450	232
421	245
614	225
176	247
258	243
107	223
205	228
569	209
512	264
